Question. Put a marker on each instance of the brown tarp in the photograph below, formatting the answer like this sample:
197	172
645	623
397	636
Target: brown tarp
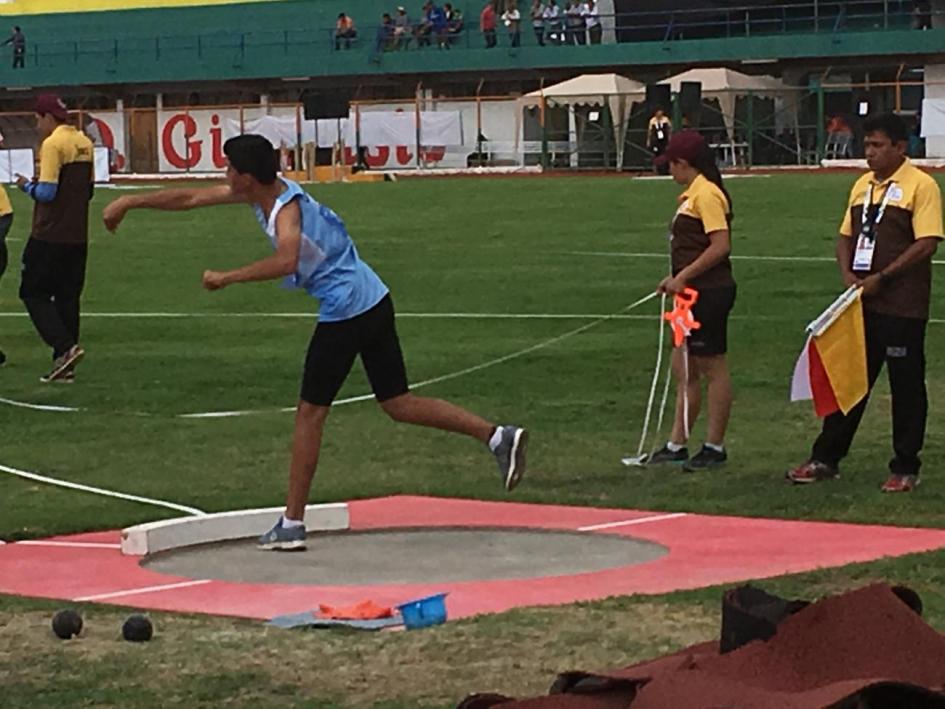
865	648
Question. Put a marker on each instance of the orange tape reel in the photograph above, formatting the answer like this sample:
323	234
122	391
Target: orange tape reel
680	318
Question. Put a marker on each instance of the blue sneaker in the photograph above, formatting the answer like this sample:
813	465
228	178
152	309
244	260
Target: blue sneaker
281	538
510	455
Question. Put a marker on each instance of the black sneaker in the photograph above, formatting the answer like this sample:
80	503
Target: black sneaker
3	358
705	458
63	364
665	455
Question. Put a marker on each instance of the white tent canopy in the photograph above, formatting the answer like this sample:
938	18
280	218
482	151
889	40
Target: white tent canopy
726	85
588	89
618	91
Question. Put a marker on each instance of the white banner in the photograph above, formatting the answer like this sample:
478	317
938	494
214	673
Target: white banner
20	162
933	117
102	164
107	129
193	140
15	162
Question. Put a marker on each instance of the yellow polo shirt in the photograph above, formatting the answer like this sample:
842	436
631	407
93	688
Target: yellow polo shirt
5	206
913	211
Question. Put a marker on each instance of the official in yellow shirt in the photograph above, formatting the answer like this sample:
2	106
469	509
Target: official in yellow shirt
700	246
6	221
890	231
55	255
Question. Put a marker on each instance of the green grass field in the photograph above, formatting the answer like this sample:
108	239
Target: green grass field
480	248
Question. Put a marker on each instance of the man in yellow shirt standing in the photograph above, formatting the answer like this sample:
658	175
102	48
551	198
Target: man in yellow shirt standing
6	221
890	231
55	255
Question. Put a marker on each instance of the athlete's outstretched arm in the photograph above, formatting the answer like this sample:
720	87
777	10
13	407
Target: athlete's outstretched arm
174	199
283	262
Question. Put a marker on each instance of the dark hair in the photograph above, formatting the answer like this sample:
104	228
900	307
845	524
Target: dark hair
890	124
706	165
16	28
253	155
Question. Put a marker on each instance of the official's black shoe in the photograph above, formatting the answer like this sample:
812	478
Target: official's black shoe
665	455
705	458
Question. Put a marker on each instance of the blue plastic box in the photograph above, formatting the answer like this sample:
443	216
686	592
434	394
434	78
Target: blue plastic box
424	612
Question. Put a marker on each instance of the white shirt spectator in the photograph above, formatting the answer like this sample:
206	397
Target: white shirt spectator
591	15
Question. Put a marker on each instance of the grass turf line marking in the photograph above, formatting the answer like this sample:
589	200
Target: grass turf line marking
38	407
69	545
628	522
144	589
444	377
101	491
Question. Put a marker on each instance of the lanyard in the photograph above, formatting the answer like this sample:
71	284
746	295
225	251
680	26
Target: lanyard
870	224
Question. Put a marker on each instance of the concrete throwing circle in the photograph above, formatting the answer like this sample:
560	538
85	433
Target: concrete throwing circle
411	555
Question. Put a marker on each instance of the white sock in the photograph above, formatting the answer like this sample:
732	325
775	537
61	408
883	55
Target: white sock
675	447
716	448
496	439
290	523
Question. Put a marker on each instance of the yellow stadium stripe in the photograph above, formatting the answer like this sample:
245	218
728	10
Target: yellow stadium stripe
39	7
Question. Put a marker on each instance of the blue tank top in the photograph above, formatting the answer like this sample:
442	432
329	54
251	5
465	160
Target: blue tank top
329	266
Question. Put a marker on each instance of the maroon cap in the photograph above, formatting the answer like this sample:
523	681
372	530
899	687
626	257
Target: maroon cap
53	105
686	145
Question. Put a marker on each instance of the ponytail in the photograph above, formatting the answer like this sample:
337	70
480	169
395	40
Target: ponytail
706	165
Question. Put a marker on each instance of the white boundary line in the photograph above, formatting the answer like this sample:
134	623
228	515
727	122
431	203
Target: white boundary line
628	522
38	407
70	545
100	491
144	589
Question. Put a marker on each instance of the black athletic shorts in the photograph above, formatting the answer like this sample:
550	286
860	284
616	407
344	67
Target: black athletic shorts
335	345
711	311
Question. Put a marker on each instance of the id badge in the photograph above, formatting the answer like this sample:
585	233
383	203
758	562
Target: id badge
863	256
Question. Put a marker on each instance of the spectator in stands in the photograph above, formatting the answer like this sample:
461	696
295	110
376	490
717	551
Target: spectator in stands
592	21
553	24
487	21
344	31
574	22
659	131
922	15
425	26
402	28
433	24
512	18
454	22
18	40
384	39
440	25
538	21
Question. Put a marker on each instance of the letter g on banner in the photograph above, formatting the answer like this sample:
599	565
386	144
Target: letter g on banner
193	147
